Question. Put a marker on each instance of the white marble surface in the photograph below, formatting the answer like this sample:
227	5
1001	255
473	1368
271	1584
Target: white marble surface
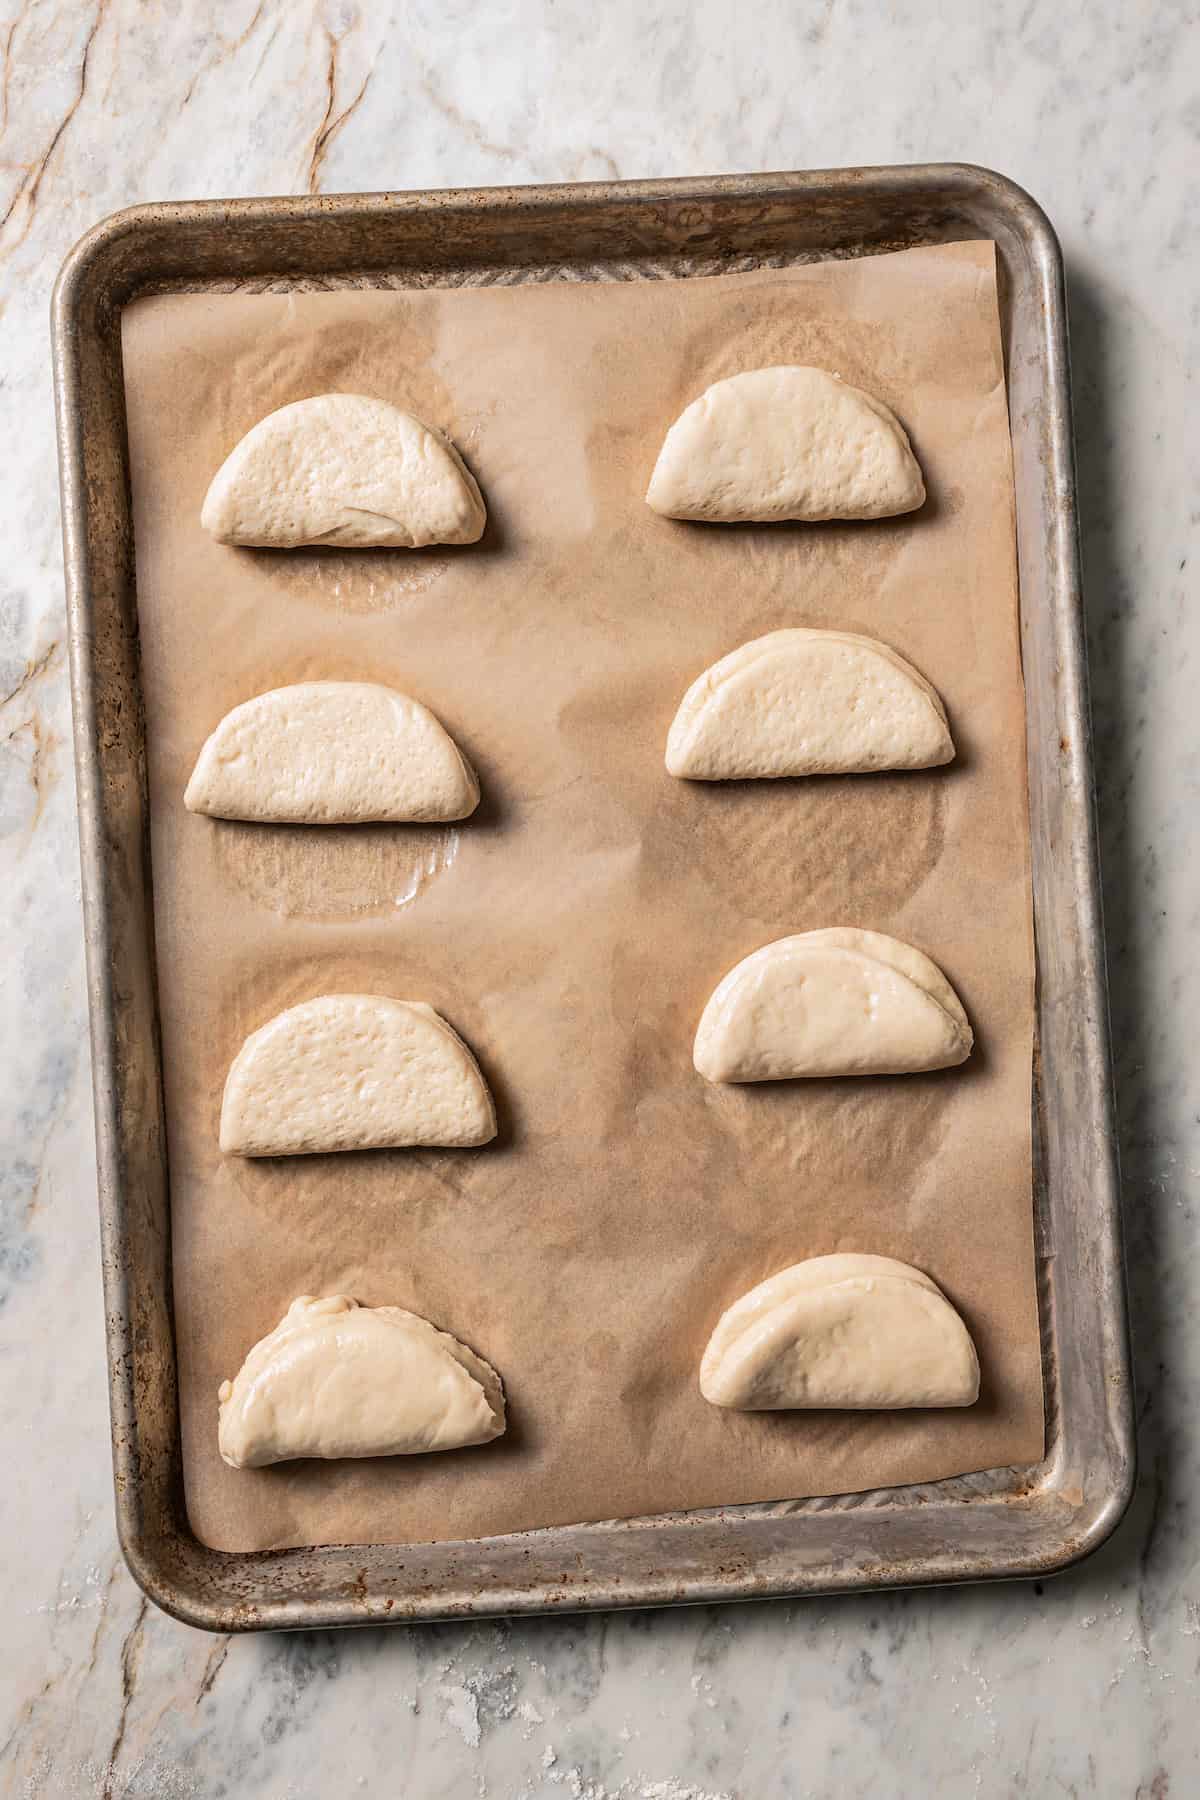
1084	1688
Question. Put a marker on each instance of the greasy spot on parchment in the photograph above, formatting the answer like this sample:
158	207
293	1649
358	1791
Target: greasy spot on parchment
350	581
814	838
400	1188
880	1132
802	332
330	872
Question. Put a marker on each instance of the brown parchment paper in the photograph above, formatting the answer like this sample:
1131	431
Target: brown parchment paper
573	929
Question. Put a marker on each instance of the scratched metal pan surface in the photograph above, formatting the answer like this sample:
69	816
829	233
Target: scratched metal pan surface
1008	1522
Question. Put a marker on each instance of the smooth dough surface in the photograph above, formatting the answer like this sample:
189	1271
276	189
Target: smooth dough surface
354	1072
832	1002
343	469
805	702
841	1331
335	1379
332	753
785	443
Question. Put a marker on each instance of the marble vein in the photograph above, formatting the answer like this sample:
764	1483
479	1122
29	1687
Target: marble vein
332	122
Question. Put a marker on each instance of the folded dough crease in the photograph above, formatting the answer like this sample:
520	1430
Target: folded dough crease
344	469
845	1331
805	702
833	1002
336	1379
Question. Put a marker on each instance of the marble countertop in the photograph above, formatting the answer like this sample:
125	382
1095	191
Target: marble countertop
1083	1685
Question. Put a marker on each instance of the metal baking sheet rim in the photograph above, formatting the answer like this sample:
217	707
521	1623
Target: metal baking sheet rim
1006	1523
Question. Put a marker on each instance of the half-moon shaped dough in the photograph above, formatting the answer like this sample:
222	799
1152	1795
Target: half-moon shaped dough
785	443
332	753
803	702
841	1331
343	469
354	1072
832	1002
335	1379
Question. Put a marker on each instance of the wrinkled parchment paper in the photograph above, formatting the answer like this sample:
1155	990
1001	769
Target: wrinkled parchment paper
573	929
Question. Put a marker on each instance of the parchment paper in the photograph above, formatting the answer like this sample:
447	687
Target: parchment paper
574	928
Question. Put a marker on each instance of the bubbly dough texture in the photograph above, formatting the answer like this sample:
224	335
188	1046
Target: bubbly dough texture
832	1002
785	443
803	702
841	1331
343	469
335	1379
354	1072
332	753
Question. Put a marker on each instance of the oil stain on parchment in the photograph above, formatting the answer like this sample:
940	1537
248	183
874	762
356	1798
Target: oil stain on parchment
333	872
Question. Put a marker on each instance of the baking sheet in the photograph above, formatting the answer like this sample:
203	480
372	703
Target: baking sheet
573	929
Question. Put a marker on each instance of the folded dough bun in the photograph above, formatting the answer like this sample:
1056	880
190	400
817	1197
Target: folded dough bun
841	1331
354	1072
785	443
803	702
337	1379
832	1002
332	753
343	469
